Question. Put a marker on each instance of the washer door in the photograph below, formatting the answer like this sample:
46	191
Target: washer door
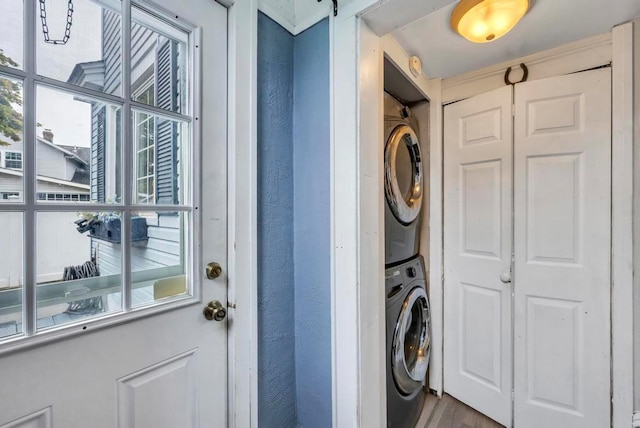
403	174
412	342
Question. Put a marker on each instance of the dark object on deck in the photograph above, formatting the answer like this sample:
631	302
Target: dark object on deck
110	229
92	305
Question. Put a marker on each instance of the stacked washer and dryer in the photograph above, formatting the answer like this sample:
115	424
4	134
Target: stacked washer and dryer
407	307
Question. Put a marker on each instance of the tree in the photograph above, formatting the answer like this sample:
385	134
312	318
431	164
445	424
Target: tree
11	120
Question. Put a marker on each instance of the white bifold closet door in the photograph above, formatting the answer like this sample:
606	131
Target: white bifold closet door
562	236
477	250
546	335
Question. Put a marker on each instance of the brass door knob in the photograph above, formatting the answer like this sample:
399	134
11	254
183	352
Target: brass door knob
214	311
214	270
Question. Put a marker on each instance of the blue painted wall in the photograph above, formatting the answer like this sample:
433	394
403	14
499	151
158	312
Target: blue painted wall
311	126
276	342
294	344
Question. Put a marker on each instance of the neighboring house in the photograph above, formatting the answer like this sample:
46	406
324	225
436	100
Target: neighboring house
155	81
62	170
62	175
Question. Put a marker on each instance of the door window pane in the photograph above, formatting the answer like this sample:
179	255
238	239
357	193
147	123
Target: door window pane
11	140
11	273
78	148
160	158
92	56
158	55
78	266
158	256
11	34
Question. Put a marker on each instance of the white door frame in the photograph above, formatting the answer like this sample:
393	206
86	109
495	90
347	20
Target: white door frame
242	197
622	225
357	220
359	397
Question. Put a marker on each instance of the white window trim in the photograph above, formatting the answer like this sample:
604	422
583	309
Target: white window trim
3	159
144	87
17	193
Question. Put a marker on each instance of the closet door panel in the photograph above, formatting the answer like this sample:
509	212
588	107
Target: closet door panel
477	237
562	205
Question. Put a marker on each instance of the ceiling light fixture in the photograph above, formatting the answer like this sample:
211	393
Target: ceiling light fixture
482	21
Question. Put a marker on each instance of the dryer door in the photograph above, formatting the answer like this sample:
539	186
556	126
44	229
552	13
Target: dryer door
403	174
412	342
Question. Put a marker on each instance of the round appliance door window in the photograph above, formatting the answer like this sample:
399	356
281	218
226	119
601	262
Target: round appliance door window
403	174
412	342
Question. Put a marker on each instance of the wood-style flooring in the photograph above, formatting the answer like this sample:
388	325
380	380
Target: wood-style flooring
447	412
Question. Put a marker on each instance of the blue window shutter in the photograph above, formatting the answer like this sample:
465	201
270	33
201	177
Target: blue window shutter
166	130
98	142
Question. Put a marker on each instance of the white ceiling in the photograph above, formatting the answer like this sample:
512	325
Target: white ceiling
547	24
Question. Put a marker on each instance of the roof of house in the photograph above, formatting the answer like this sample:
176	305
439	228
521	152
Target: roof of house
83	153
88	74
70	153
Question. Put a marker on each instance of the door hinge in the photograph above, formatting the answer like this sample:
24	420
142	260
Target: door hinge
513	110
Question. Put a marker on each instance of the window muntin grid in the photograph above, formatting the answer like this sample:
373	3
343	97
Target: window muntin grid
125	205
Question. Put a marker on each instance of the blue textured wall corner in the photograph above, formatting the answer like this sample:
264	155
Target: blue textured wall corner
294	294
276	342
312	246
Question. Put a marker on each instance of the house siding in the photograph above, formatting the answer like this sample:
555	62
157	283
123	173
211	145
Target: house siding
71	168
143	41
111	52
10	183
14	146
163	248
51	162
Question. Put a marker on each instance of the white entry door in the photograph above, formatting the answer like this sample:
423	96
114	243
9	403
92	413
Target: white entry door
147	357
477	251
562	246
560	284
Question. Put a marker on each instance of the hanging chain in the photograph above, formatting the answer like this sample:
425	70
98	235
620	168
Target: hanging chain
45	27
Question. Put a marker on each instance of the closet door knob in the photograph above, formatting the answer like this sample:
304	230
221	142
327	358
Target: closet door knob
505	277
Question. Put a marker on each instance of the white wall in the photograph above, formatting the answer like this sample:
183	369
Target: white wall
11	259
51	162
59	245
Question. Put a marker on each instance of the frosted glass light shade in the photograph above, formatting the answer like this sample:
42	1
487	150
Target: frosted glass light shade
482	21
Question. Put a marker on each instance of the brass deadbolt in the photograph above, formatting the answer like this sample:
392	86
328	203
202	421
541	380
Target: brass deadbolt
214	270
214	311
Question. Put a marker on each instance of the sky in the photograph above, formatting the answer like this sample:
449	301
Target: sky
69	120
